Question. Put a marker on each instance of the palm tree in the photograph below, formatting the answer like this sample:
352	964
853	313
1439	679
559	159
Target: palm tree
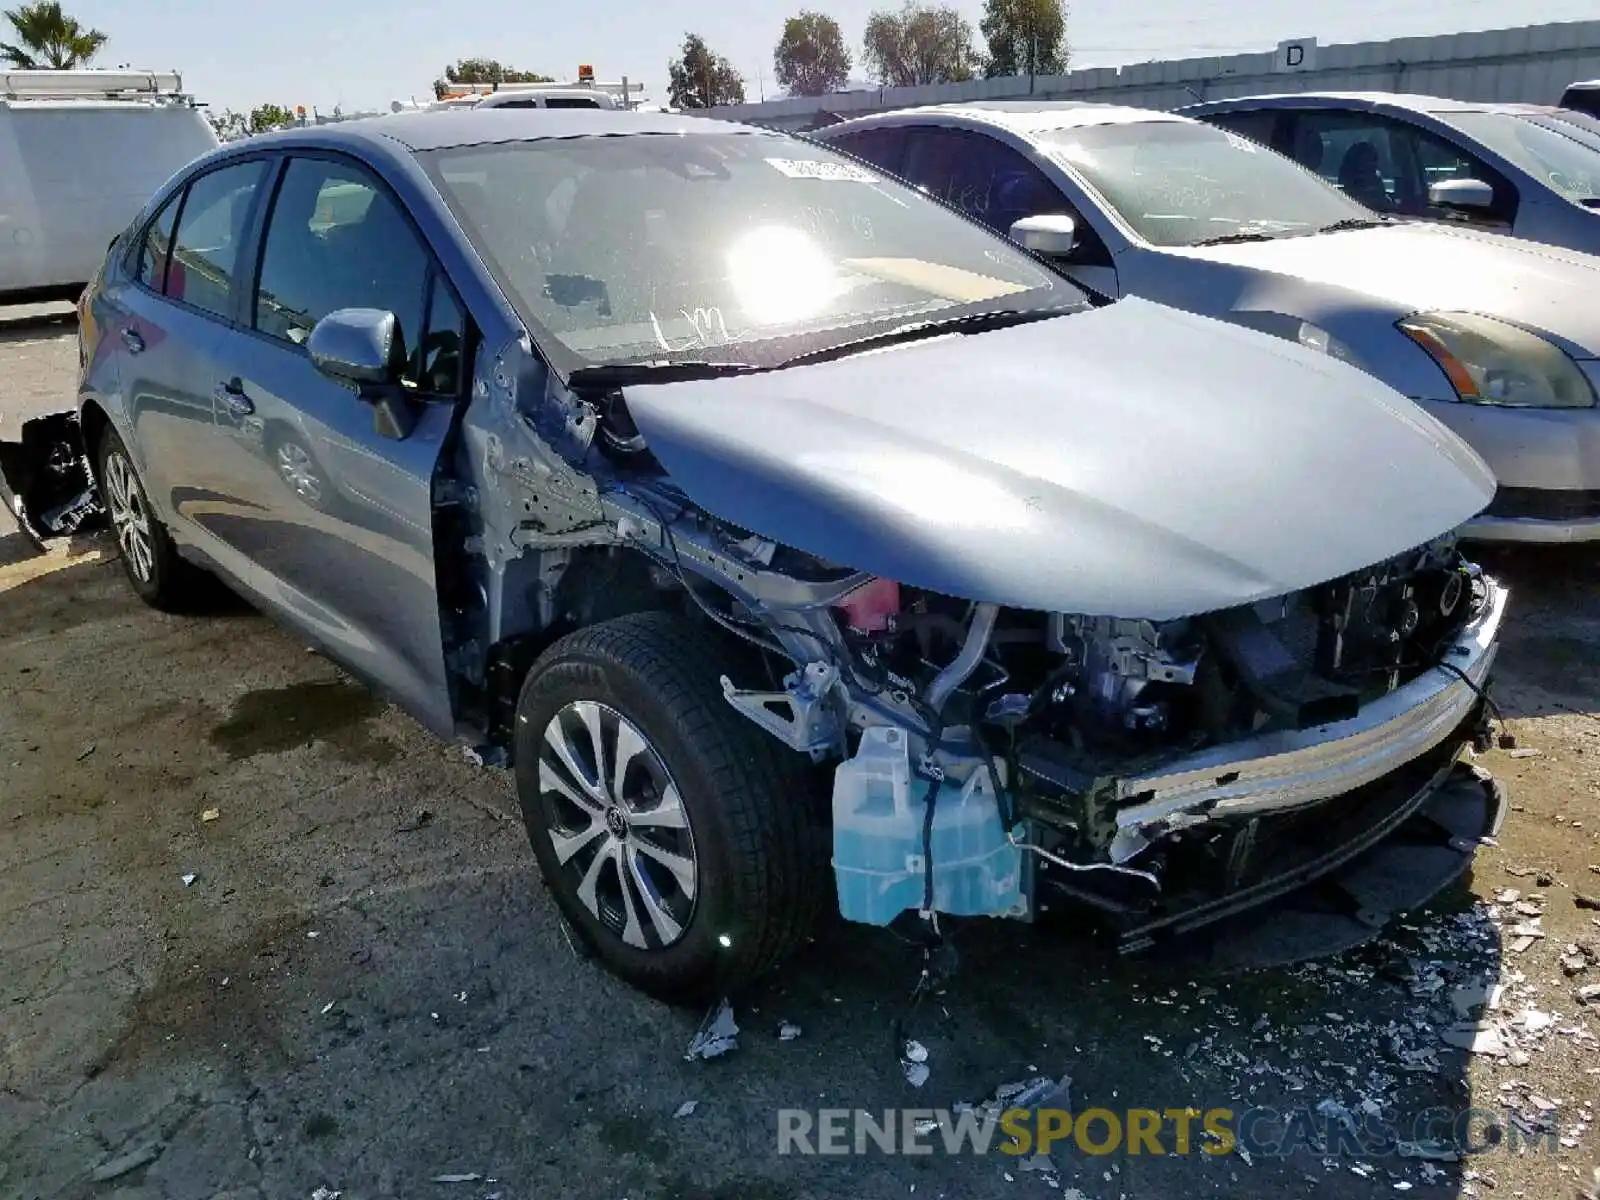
49	39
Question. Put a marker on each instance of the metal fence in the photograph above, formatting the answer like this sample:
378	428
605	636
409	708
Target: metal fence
1531	63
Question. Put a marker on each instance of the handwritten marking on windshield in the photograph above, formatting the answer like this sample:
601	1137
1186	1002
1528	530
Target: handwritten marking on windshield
708	327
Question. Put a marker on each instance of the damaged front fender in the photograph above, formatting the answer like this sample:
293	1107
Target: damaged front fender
46	481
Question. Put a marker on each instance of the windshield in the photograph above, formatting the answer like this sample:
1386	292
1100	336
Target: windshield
1564	163
1182	184
746	247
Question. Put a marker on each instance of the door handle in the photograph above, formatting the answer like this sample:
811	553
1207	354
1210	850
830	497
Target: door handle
131	339
232	397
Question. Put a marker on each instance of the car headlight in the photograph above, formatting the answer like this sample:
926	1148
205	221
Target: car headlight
1492	362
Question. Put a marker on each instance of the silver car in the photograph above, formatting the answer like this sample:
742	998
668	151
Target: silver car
1497	338
1527	170
797	542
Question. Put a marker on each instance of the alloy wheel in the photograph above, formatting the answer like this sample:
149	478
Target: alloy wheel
299	472
618	824
130	516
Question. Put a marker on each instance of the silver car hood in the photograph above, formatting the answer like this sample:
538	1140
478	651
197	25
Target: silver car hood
1132	460
1423	266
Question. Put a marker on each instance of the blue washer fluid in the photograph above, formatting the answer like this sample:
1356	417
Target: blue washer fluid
878	811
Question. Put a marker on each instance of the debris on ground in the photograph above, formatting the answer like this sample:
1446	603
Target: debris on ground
718	1034
122	1164
686	1109
85	752
466	1177
323	1193
788	1031
914	1062
424	817
1525	752
188	878
210	814
1583	901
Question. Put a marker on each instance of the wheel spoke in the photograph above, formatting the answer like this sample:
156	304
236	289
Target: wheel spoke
550	780
666	814
629	887
587	887
682	868
589	713
630	744
667	928
555	736
568	844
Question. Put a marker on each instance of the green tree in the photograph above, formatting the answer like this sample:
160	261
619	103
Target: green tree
263	118
697	78
266	117
48	39
811	57
922	43
484	70
1026	37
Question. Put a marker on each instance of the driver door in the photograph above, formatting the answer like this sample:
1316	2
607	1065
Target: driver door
337	517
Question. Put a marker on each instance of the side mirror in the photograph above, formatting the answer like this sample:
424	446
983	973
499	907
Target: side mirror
1053	235
362	349
358	346
1470	194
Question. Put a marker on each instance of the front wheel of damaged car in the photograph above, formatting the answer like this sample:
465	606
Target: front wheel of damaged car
679	841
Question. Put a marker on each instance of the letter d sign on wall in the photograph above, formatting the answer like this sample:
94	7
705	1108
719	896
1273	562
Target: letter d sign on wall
1298	54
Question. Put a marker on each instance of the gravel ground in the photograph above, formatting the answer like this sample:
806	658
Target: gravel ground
261	935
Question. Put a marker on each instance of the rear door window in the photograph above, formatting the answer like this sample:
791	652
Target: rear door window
211	227
883	148
1352	151
1260	126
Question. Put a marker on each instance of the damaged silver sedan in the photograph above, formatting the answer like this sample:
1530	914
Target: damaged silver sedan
795	540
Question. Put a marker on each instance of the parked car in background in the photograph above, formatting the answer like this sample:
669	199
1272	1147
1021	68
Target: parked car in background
1499	339
80	153
706	472
1512	168
1583	96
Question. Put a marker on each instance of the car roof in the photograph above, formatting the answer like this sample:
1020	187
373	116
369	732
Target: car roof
1022	116
1404	101
482	126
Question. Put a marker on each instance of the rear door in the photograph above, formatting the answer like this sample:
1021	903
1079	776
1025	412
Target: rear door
167	317
337	518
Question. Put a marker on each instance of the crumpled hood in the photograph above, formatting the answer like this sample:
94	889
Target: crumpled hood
1132	460
1423	266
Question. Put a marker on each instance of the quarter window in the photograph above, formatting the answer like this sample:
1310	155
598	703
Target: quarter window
153	248
210	228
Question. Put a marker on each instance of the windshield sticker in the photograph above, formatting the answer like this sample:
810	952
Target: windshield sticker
809	168
1240	142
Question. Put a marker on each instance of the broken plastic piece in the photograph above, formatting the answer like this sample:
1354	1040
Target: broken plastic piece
188	878
788	1031
465	1177
686	1109
718	1034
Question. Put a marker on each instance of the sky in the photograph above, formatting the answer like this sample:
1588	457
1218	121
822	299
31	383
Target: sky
362	54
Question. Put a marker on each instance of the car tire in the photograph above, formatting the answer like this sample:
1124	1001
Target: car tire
731	892
156	572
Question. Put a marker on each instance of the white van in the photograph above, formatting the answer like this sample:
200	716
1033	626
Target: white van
80	153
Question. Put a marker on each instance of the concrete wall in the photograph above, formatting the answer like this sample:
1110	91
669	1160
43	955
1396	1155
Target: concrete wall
1532	63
